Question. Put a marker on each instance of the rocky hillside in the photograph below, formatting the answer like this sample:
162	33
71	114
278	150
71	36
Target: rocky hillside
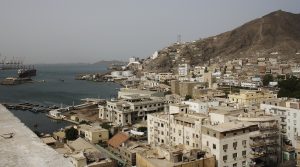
276	34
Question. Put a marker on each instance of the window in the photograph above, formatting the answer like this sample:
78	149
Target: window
214	146
215	134
244	142
207	143
162	125
243	163
225	158
234	165
225	147
244	153
234	145
234	156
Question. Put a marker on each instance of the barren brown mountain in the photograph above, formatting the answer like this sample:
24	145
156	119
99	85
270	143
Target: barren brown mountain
276	34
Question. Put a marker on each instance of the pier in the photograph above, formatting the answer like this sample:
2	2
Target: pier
29	107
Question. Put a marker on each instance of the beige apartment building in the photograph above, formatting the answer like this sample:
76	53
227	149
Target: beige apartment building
177	126
250	97
130	109
93	134
229	142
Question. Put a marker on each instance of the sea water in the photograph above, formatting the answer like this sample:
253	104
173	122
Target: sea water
54	85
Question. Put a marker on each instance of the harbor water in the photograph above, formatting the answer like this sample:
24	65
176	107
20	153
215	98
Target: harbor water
54	85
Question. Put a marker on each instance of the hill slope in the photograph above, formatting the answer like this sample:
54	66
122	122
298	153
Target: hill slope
278	31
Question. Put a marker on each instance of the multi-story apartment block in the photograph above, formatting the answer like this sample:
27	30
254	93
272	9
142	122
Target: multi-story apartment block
229	142
130	109
265	145
289	112
183	69
177	128
250	97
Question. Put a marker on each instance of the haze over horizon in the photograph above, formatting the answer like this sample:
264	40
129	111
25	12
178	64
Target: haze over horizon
73	31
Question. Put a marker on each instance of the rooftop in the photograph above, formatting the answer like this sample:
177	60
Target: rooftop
81	144
19	146
229	126
118	139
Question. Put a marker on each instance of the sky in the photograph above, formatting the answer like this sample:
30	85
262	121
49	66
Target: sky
87	31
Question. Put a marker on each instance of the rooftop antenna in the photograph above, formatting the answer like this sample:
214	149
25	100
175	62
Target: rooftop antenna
178	38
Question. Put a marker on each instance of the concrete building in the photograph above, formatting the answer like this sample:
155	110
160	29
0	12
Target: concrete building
265	145
161	77
93	134
130	109
129	150
183	88
200	92
174	157
85	154
229	142
201	106
289	112
183	69
145	93
177	128
250	97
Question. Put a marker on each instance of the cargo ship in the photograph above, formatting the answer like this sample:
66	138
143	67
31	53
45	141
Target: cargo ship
26	73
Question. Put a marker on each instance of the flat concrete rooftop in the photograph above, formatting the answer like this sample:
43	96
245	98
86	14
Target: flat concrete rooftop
19	146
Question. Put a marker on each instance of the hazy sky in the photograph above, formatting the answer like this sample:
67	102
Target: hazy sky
60	31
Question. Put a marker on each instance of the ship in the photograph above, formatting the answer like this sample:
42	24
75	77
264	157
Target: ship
26	73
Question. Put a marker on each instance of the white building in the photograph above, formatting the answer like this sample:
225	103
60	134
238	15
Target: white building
201	106
133	60
175	129
183	69
130	109
229	142
246	84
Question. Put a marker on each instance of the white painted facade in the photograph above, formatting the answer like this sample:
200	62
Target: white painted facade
201	106
230	146
183	69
